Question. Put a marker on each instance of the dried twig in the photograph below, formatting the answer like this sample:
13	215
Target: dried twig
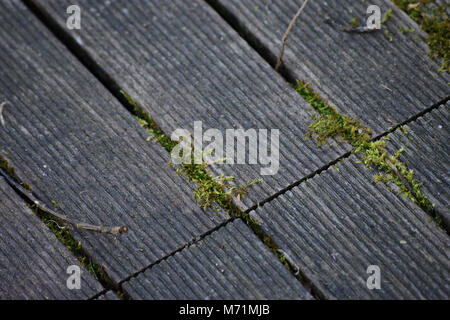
79	225
286	34
57	224
385	87
2	120
291	262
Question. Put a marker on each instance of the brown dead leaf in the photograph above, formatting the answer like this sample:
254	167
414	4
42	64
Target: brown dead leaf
412	6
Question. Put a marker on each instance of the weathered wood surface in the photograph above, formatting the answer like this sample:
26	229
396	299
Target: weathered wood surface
367	77
426	151
340	222
33	263
71	140
230	263
108	296
182	63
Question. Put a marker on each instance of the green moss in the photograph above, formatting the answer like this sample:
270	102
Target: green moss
57	207
403	130
216	193
330	124
63	234
378	156
354	22
405	30
386	16
148	124
434	20
211	192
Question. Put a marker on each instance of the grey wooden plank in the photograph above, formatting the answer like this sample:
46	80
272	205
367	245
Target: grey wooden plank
33	263
108	296
426	151
72	141
351	71
182	63
340	222
230	263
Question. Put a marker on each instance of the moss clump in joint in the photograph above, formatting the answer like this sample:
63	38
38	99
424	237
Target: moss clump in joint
434	20
211	192
215	193
329	123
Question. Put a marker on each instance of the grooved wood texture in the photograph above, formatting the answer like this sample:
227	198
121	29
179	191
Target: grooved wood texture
340	222
230	263
33	263
71	140
367	77
426	151
182	63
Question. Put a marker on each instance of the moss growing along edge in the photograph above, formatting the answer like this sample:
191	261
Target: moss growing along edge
215	193
211	192
62	233
434	20
329	123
